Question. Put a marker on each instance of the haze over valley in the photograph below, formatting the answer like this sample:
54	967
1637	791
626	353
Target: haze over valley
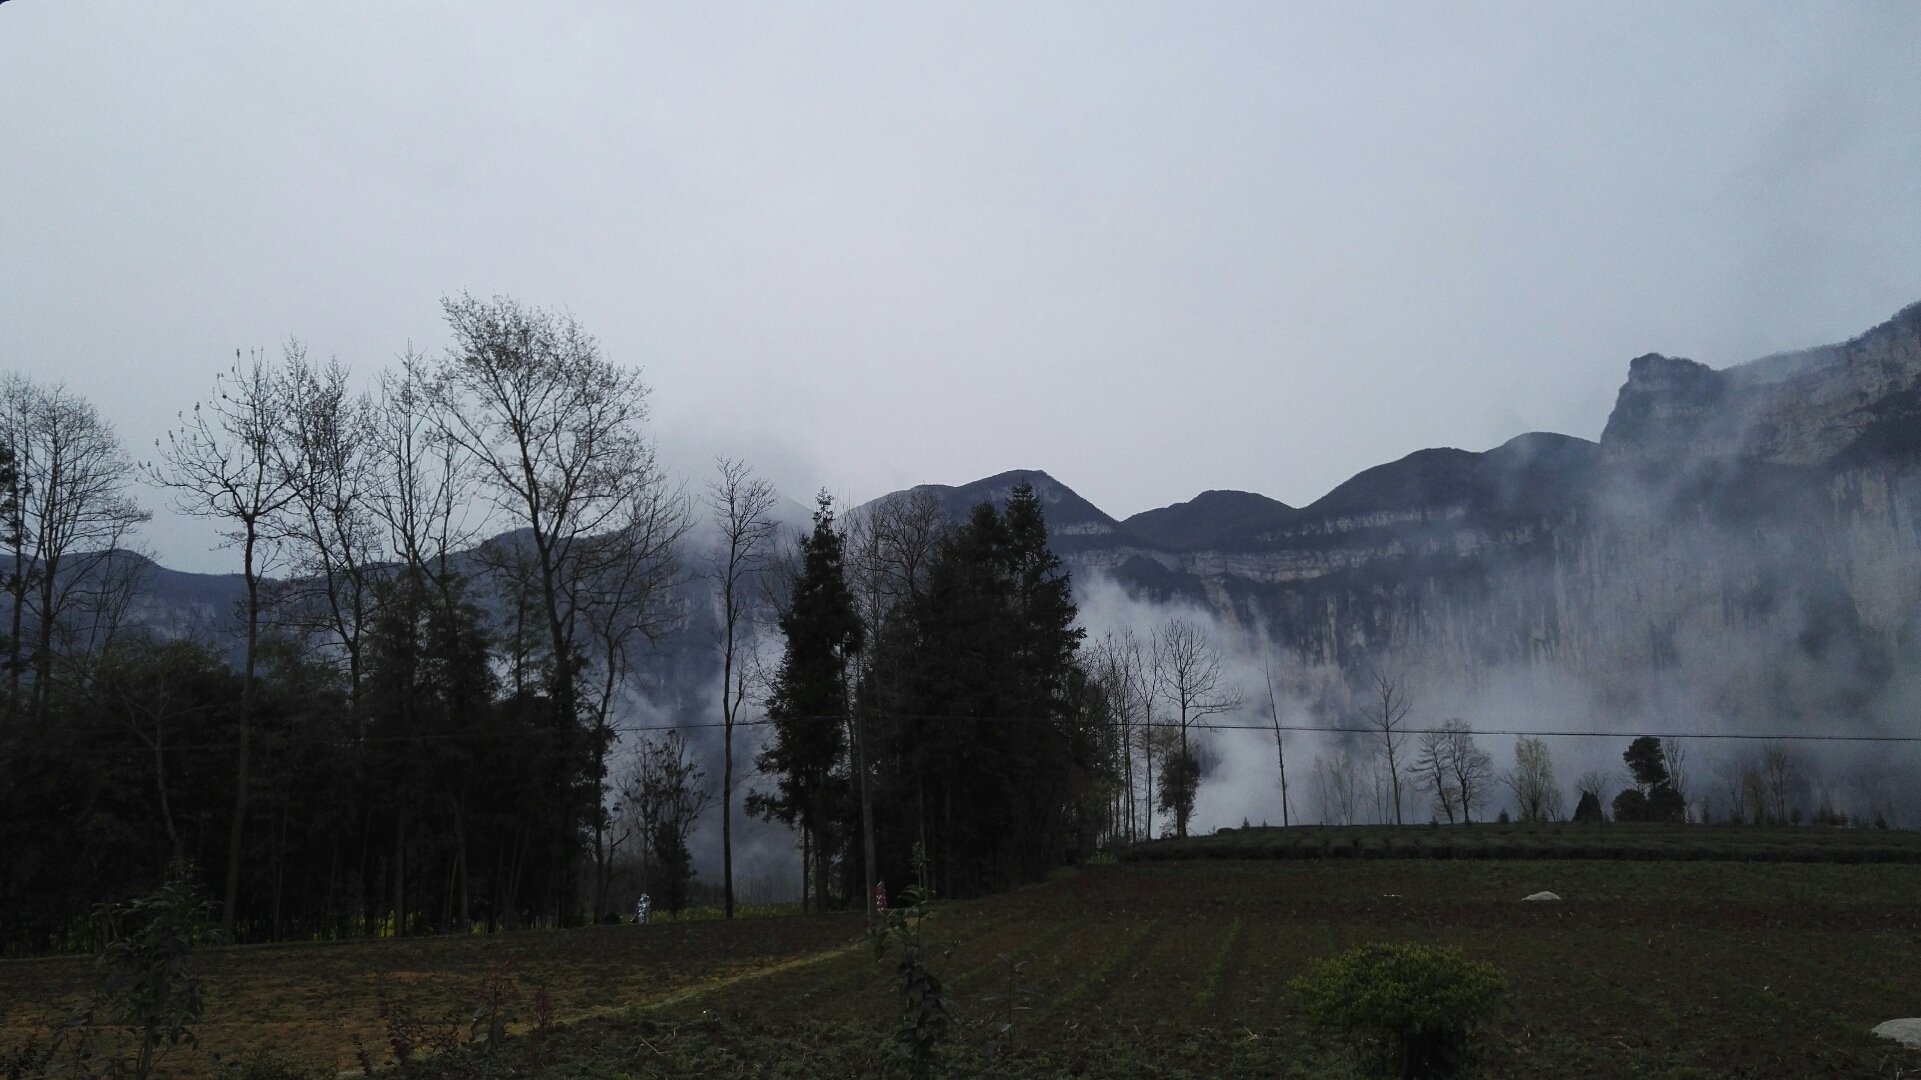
1736	555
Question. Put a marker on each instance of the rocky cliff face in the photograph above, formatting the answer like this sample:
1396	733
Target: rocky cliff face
1741	545
1842	405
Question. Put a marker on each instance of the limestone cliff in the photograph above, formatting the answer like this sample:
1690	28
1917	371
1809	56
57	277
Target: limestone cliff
1742	542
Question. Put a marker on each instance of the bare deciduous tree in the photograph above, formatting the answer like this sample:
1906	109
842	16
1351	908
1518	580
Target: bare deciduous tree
1680	777
423	482
1536	798
1742	790
70	524
667	791
223	463
1187	672
625	576
1597	781
1431	767
1389	721
1280	744
1140	667
888	548
1336	783
896	538
554	433
1115	664
1780	773
329	461
743	509
1470	768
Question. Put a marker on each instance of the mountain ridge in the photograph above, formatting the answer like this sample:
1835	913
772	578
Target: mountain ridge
1745	544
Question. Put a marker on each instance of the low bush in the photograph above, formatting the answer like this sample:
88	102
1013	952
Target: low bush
1413	1008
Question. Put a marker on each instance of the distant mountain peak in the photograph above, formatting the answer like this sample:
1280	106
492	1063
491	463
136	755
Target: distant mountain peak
1211	519
1857	400
1068	514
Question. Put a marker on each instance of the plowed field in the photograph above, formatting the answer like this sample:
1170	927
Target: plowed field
1644	969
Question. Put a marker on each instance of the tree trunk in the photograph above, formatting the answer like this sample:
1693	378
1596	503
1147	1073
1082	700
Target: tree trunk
460	863
400	873
730	700
160	786
17	590
820	874
236	830
727	815
868	877
279	869
1181	803
1147	776
43	644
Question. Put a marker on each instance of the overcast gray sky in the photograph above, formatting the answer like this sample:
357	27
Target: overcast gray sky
1152	249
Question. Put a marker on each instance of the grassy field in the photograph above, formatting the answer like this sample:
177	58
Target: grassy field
1646	969
1617	842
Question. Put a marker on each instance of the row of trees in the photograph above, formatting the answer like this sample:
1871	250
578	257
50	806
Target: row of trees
467	687
447	586
930	693
1770	785
65	513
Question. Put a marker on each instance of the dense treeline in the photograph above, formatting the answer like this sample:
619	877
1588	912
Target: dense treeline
930	695
406	725
410	720
451	811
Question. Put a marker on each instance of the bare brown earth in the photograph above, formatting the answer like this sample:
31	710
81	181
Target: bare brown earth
312	1000
1647	969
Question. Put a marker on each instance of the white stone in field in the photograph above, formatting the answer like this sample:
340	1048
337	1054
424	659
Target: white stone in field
1906	1031
1541	896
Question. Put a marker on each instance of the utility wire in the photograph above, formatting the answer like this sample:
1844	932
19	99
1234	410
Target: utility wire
267	740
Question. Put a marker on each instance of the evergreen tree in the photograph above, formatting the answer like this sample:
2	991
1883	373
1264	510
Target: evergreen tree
808	706
994	752
1646	763
1653	797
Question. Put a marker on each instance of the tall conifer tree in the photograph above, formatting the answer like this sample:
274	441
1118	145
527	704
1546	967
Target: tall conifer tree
809	702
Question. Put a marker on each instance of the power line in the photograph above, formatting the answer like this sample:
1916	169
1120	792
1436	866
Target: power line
266	740
1758	736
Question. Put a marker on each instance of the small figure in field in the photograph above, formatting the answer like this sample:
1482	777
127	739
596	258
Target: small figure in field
641	908
880	896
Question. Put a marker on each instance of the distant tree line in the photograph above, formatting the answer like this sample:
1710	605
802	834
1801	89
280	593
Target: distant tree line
412	720
414	726
449	584
1770	784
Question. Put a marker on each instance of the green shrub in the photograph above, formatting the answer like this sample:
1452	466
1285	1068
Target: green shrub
926	1012
146	984
1414	1008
